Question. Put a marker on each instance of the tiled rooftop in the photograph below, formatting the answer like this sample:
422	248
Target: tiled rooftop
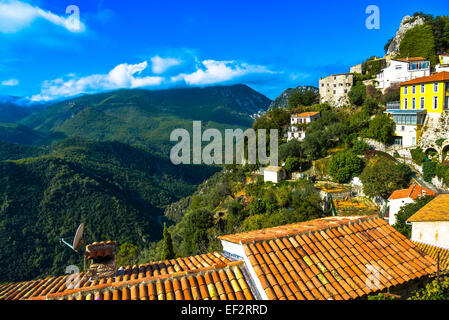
432	251
437	77
435	210
305	115
332	258
413	192
220	282
51	285
287	230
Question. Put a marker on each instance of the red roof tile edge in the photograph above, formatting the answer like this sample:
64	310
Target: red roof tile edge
127	283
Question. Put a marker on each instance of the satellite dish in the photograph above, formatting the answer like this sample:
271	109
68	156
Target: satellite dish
77	240
78	237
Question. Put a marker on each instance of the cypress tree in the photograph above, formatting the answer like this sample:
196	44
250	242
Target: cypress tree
167	246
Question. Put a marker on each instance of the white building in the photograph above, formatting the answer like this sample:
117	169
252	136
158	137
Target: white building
430	225
444	63
400	198
298	119
401	70
274	174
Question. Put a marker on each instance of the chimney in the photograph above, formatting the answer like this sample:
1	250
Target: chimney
102	259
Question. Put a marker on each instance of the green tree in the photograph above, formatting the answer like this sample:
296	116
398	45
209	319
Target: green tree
127	254
303	97
344	166
292	164
429	170
434	291
167	246
381	177
381	128
406	212
357	94
195	233
419	42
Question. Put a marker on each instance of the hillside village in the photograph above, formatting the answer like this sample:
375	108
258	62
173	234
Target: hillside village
358	207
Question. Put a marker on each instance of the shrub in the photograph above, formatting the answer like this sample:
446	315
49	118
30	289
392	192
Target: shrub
292	164
381	128
357	94
418	156
433	291
429	170
406	212
360	146
344	166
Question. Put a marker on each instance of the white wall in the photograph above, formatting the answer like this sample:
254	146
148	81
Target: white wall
398	72
407	135
271	176
395	206
433	233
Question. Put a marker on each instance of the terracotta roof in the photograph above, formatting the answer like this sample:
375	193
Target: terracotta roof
432	251
332	258
435	210
437	77
223	282
411	59
103	249
305	115
153	270
413	192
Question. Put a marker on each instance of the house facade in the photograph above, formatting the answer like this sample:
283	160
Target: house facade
297	131
420	98
444	63
335	88
400	198
400	70
430	225
274	174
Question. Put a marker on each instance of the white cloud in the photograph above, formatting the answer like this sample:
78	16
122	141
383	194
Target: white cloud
122	76
17	15
10	83
212	71
160	65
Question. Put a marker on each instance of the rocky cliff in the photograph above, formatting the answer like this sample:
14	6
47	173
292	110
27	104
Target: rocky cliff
282	100
408	22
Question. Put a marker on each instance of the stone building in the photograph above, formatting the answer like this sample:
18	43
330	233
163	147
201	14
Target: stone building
335	88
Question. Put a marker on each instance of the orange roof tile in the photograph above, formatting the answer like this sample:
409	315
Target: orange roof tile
305	115
437	77
411	59
135	274
332	258
435	210
432	251
413	192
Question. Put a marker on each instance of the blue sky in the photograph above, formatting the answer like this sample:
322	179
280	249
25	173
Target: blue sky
268	45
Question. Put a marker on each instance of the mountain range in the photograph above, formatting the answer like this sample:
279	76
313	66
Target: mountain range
101	159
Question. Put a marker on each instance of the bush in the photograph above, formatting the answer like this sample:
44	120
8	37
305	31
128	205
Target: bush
381	128
292	164
406	212
360	146
381	177
429	170
357	94
344	166
303	97
433	291
418	156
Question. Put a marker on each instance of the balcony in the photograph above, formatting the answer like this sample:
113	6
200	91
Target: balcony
396	105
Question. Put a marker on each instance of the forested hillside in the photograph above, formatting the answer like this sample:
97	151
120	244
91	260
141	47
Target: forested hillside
117	190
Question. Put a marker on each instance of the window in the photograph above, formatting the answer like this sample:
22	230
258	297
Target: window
405	90
435	102
405	103
435	87
403	128
414	141
423	88
413	89
423	102
414	103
